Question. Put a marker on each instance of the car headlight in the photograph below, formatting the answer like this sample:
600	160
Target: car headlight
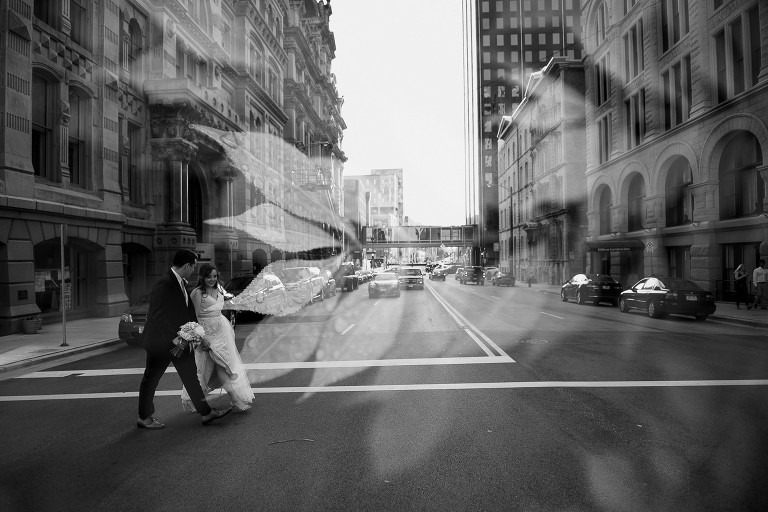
126	317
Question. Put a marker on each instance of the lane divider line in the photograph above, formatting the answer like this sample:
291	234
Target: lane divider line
420	387
345	331
553	316
466	325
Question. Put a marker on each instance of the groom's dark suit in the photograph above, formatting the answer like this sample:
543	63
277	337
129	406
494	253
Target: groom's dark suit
168	311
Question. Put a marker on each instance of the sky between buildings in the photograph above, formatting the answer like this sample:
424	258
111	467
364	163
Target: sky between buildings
399	68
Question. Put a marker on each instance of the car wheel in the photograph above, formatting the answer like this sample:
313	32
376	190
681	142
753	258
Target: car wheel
702	317
579	297
623	306
562	296
653	310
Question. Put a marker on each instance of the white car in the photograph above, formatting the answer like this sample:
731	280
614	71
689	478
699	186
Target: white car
303	284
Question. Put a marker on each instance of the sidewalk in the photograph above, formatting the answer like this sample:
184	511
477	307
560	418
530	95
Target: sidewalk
84	335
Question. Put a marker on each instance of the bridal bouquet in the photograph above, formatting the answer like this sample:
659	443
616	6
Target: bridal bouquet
190	335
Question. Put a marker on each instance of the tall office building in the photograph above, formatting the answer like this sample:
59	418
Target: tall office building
505	41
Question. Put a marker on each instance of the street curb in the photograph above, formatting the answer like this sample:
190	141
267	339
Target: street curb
712	318
30	361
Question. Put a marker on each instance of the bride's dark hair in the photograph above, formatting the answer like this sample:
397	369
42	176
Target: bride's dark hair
205	271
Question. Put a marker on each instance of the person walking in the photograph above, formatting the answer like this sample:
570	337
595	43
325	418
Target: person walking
760	282
740	286
169	308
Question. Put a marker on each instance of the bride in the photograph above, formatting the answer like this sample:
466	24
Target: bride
220	356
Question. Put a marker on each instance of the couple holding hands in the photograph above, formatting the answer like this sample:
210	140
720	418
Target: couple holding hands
170	308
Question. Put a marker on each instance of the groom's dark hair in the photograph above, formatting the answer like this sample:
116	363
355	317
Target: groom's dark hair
184	256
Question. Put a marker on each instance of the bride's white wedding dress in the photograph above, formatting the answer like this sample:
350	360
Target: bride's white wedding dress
222	358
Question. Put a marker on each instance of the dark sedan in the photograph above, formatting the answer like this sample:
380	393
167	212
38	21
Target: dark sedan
386	284
594	288
664	295
503	279
132	322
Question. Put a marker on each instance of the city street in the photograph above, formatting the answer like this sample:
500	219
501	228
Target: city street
456	397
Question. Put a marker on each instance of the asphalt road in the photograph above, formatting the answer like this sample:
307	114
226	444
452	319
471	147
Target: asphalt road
452	398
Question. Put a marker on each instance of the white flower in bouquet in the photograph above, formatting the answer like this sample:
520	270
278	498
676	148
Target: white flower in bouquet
190	335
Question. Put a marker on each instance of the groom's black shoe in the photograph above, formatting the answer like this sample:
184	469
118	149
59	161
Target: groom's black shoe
150	423
214	415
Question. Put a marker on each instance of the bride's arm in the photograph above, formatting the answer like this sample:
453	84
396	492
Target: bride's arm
197	300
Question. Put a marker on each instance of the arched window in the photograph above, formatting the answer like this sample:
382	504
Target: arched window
43	98
135	61
635	200
742	191
605	202
677	200
601	23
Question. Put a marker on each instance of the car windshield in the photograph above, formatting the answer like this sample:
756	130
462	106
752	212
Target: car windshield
412	272
671	283
386	276
601	278
293	275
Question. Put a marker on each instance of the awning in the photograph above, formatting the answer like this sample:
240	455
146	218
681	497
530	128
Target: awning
615	245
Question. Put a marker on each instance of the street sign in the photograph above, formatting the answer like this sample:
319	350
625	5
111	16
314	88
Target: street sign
66	296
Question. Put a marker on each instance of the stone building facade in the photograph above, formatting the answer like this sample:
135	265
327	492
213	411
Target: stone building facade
541	179
145	126
677	98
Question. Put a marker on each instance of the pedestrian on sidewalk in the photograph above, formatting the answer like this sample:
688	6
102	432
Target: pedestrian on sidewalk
170	307
760	281
740	286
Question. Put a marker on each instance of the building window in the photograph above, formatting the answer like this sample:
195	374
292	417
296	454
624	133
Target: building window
635	203
634	115
737	55
603	78
78	15
604	138
674	22
179	58
78	134
135	56
676	85
135	150
677	193
742	190
716	4
628	4
601	24
43	160
44	11
604	211
633	51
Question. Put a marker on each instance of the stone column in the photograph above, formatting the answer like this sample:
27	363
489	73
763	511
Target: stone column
64	118
177	153
764	175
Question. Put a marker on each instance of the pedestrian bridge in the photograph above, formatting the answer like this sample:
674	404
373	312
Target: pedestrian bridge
420	236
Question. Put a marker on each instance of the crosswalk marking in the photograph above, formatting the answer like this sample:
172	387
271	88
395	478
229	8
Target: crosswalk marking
284	366
422	387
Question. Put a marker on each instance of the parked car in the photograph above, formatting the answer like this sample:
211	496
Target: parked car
503	279
412	278
660	296
459	273
489	272
594	288
132	322
386	284
265	292
439	272
329	283
346	278
473	274
303	284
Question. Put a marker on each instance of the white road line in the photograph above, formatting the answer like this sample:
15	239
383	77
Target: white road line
466	325
548	314
345	331
423	387
433	361
495	297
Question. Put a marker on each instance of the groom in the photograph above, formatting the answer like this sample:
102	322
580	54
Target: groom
169	308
